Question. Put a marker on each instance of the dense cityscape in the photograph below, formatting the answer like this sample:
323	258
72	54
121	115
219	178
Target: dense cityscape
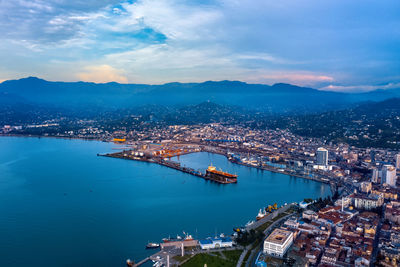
216	133
357	226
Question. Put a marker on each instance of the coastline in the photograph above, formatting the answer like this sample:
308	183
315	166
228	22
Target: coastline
55	137
204	149
99	188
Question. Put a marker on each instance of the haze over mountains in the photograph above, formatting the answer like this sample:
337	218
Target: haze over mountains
277	98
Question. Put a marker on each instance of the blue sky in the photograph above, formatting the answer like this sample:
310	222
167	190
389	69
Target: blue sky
343	45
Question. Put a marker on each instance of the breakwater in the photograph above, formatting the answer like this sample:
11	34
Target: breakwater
170	164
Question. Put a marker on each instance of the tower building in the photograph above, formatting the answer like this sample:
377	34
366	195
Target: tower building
322	156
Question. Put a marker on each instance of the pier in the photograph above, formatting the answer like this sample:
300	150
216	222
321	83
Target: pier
167	163
140	262
165	257
162	157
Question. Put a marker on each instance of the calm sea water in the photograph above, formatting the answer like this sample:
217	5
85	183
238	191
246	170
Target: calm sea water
61	205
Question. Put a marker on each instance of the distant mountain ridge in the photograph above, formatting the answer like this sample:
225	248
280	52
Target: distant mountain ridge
277	98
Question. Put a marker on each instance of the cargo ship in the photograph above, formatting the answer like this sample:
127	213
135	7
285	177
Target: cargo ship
178	238
219	176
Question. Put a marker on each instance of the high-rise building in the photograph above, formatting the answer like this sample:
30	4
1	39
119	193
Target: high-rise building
322	156
397	161
375	175
389	175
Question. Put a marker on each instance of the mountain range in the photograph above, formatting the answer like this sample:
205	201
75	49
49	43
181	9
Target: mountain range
278	98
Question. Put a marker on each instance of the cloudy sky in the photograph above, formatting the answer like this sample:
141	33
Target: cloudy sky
330	44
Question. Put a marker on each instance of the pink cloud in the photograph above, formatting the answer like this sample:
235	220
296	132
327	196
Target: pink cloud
304	79
101	74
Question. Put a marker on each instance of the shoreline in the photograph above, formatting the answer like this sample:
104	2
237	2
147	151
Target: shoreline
238	216
54	137
263	168
158	161
203	150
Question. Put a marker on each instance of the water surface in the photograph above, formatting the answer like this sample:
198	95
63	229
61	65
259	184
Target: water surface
61	205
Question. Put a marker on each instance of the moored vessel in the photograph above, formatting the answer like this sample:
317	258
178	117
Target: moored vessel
152	245
220	176
261	214
178	238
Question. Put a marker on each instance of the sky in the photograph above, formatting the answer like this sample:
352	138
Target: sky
339	45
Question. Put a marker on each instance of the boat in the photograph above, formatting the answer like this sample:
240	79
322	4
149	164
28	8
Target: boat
178	238
220	176
188	237
152	245
129	263
249	223
261	214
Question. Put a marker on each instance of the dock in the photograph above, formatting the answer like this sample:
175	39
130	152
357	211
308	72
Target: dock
141	262
165	257
167	163
163	158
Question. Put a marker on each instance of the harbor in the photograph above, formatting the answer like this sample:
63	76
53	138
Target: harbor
176	251
163	154
125	200
210	174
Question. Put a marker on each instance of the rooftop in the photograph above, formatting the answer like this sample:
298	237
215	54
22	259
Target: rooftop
279	236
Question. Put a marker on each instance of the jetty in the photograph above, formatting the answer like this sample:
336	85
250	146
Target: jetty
130	155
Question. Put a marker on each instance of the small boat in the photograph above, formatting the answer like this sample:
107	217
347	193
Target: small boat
261	214
152	245
249	223
129	263
187	236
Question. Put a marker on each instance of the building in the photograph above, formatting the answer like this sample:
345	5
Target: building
388	193
322	157
361	262
310	215
397	161
375	175
353	157
211	243
366	187
344	202
389	175
330	256
367	202
372	155
278	242
392	212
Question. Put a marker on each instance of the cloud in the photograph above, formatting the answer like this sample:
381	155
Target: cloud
298	77
101	74
50	21
360	88
306	42
178	21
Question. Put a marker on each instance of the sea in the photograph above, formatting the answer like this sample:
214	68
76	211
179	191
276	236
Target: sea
62	205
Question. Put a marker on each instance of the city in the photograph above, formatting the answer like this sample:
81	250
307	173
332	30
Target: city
213	133
358	226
